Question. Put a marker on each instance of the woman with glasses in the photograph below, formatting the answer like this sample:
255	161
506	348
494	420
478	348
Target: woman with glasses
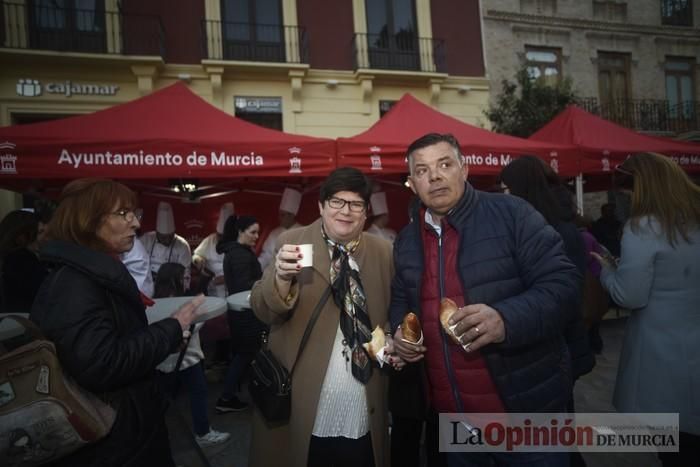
338	415
91	309
658	279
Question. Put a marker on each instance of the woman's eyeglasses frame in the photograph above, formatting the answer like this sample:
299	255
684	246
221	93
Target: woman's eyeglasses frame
128	215
339	203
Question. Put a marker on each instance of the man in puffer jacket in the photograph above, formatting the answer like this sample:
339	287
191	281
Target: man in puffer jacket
506	269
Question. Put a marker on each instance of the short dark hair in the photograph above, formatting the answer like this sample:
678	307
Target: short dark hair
346	179
431	139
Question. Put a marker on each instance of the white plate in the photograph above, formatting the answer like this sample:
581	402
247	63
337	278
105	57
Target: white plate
239	301
9	327
165	307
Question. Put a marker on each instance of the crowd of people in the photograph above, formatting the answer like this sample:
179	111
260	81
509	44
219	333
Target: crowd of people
530	279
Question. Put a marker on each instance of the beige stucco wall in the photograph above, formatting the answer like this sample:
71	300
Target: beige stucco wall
347	106
509	25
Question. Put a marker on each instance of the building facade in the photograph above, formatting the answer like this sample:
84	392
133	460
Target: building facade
304	66
314	67
633	62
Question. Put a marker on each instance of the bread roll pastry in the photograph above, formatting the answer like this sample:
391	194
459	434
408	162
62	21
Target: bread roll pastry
376	344
447	308
410	328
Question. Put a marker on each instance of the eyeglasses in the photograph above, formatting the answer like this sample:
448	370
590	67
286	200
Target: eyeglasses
128	215
338	203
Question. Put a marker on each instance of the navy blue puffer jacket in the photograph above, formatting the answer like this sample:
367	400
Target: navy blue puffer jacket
511	260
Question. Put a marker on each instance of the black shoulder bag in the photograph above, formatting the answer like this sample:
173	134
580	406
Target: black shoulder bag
270	384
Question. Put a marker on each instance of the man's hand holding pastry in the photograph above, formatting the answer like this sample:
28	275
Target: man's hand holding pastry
408	339
472	326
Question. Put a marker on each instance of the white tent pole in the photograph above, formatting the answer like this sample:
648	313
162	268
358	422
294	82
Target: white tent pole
579	193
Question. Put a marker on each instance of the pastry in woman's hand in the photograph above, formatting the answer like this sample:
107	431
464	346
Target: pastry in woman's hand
377	343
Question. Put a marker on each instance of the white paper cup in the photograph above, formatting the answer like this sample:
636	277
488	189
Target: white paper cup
307	253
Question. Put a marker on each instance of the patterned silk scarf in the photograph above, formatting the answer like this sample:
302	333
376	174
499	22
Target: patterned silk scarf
349	296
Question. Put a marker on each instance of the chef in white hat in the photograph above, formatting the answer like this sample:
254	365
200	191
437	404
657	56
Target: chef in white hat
289	206
207	260
164	245
380	217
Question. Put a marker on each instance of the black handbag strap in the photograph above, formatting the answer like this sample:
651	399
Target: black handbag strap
309	326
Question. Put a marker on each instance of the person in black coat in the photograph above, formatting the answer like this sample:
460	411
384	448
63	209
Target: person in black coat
241	266
241	270
531	179
21	272
91	309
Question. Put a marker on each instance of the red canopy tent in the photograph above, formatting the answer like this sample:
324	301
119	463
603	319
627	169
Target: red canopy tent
169	133
602	144
382	148
169	136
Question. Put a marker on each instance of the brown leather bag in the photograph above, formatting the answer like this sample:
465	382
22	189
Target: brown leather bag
44	414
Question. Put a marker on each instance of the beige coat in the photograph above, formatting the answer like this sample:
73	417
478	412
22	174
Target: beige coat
288	445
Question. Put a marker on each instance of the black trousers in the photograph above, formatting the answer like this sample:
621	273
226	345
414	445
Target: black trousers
406	438
341	452
405	441
688	454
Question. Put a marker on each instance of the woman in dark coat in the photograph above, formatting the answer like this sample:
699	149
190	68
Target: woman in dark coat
90	308
529	178
241	270
241	266
21	272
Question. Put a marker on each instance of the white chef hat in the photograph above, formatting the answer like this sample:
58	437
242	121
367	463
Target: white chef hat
165	222
225	212
378	203
291	199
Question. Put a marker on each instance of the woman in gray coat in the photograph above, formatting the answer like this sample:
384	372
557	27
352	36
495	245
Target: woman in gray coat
658	279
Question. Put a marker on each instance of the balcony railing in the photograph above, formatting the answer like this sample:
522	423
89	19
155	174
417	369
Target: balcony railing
37	27
399	52
652	115
254	42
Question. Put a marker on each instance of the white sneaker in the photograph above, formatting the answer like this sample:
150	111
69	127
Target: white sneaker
212	438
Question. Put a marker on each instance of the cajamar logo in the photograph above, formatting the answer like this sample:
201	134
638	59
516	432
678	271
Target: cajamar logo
7	159
28	88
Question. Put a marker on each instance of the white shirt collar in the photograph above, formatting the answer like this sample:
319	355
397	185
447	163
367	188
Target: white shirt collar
429	220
